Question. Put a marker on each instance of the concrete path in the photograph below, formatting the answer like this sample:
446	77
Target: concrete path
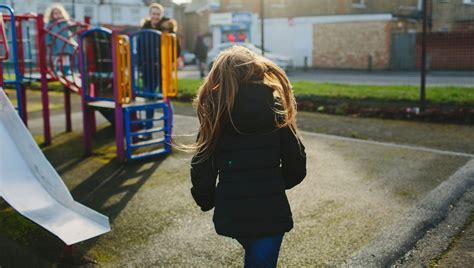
451	242
353	191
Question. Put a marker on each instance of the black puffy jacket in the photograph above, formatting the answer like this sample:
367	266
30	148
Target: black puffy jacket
254	170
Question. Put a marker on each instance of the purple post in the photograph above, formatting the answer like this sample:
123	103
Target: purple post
44	79
85	110
119	137
67	108
170	114
23	104
93	122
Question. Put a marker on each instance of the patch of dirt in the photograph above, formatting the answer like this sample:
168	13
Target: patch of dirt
446	113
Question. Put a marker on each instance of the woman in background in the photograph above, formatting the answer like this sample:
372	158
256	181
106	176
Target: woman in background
56	19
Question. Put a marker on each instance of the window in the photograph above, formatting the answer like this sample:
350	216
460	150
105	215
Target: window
136	14
278	4
469	2
116	14
234	4
412	5
358	4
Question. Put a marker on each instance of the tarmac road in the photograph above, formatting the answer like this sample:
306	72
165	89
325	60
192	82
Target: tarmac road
435	78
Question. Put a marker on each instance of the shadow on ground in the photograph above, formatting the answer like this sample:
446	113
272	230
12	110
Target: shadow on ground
107	189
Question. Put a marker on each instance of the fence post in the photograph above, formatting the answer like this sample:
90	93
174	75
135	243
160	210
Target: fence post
423	61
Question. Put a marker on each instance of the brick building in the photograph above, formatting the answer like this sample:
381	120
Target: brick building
348	34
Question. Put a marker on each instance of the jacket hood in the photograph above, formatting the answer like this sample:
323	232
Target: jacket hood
253	111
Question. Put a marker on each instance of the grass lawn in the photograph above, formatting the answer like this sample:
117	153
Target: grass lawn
382	93
440	95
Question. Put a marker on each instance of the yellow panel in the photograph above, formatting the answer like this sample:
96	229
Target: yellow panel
123	68
169	64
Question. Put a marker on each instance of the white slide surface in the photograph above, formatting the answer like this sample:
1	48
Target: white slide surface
31	185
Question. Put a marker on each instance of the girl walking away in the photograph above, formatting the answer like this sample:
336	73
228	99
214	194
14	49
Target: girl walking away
249	140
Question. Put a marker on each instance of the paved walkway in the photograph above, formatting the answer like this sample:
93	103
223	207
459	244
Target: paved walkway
353	191
461	252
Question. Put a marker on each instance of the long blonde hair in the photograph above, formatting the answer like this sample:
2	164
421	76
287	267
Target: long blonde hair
49	12
215	98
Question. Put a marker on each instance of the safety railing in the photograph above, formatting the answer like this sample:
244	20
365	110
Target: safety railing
16	79
96	64
146	64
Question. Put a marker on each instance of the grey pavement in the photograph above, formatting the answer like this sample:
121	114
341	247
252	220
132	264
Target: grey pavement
399	238
435	78
451	242
355	191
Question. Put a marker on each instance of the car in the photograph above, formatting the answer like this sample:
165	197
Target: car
188	57
286	63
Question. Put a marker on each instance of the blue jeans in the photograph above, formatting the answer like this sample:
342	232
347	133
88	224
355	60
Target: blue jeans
261	252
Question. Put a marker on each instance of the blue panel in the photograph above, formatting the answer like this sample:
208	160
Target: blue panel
146	64
146	129
100	72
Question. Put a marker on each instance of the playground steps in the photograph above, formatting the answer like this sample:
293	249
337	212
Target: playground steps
147	143
147	130
109	104
106	107
155	152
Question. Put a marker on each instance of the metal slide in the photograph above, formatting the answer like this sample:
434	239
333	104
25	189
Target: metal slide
31	185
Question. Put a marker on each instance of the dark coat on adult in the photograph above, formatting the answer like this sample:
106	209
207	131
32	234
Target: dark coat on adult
159	27
254	168
200	49
147	24
149	56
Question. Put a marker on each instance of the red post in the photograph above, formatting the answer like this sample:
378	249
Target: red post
44	80
93	122
19	41
68	253
1	73
85	110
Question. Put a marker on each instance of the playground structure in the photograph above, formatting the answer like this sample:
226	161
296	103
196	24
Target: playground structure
128	79
32	59
131	83
28	182
138	101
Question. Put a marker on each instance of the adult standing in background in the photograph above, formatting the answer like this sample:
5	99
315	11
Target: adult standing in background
156	21
200	50
150	59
